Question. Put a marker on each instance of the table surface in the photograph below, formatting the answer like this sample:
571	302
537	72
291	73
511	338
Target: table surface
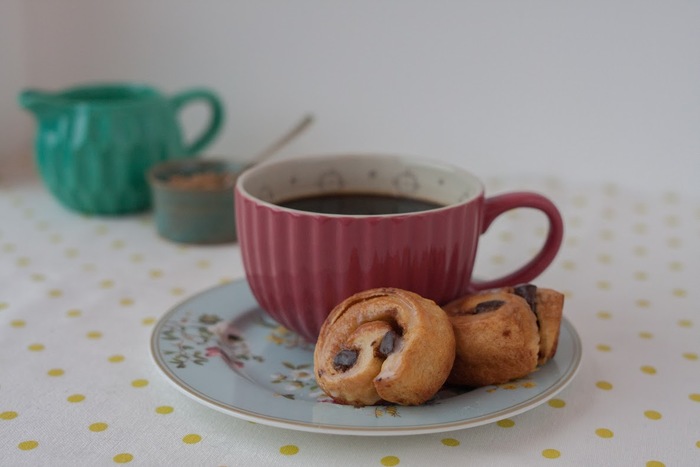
81	295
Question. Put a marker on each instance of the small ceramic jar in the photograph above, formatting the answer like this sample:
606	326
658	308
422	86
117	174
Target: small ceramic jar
193	200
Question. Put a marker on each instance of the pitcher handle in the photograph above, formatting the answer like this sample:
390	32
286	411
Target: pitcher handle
499	204
216	117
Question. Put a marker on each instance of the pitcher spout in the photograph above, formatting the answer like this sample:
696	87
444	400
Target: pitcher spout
35	101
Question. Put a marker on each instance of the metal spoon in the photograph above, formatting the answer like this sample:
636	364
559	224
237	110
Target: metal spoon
283	141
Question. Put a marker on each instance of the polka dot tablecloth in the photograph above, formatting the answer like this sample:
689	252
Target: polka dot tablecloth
79	298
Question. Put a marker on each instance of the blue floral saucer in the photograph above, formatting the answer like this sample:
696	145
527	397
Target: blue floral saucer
222	350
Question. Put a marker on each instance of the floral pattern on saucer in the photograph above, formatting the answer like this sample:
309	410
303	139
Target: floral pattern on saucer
222	350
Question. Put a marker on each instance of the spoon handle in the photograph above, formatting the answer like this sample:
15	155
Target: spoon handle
280	143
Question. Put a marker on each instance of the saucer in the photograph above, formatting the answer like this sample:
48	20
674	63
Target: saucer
222	350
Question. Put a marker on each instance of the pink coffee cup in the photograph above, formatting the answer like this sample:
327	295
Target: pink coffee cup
300	264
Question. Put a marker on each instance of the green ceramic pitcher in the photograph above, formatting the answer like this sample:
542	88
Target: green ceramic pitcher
95	143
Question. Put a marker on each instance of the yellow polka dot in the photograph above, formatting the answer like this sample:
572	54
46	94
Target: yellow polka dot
498	259
690	356
126	301
75	398
55	293
579	201
107	284
557	403
603	347
177	291
572	241
94	335
203	264
55	372
505	236
139	383
652	414
641	276
604	258
674	242
675	266
642	303
607	234
640	228
506	423
568	265
148	321
604	315
610	189
389	461
450	442
191	439
18	323
136	258
28	445
116	358
4	306
73	313
655	464
609	214
289	450
648	369
641	208
118	244
71	252
680	293
694	397
156	273
603	285
604	385
38	277
123	458
604	433
9	415
164	409
685	323
646	335
640	250
99	426
551	453
697	444
23	262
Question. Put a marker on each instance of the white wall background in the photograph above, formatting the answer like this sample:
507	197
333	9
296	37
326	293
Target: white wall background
591	90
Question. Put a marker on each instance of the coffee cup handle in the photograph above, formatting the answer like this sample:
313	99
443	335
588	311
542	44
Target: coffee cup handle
216	117
499	204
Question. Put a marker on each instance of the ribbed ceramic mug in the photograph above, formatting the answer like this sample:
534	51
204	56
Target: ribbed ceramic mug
299	263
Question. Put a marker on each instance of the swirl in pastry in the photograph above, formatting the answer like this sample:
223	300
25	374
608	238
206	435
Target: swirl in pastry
497	339
384	344
504	334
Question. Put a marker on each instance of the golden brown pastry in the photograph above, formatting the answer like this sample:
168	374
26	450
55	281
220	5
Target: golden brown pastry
548	305
497	338
384	344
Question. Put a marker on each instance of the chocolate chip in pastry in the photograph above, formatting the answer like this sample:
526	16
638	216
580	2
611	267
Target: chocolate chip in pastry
384	344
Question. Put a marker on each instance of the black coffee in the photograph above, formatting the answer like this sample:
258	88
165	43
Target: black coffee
359	204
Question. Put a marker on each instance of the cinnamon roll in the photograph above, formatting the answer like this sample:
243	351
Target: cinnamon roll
384	344
504	334
497	338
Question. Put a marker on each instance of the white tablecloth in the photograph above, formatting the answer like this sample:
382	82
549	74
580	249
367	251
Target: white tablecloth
79	297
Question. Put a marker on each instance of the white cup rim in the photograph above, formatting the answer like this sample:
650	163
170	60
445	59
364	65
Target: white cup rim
474	187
